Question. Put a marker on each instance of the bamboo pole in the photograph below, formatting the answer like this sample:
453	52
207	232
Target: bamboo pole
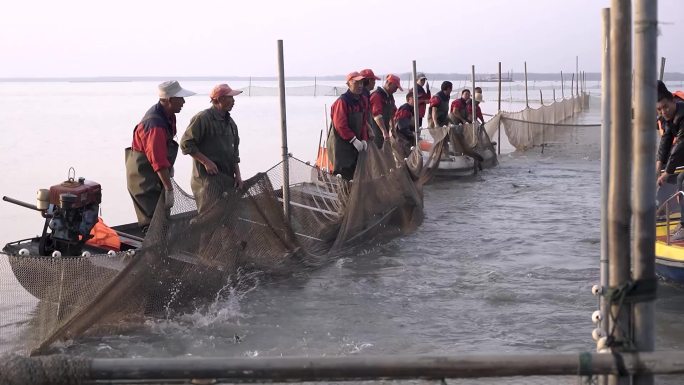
643	202
308	369
619	188
472	100
572	86
283	133
541	97
662	69
562	86
527	100
249	88
605	158
554	94
578	74
315	86
498	130
415	103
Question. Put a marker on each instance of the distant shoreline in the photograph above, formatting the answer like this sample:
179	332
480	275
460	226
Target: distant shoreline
590	76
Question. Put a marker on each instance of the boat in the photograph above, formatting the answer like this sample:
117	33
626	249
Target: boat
669	253
186	259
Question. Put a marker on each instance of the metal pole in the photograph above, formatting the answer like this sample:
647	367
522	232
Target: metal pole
619	186
527	100
643	202
415	103
283	133
605	158
662	69
562	86
498	130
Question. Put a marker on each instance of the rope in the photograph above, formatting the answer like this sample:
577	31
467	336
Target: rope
56	369
551	124
643	290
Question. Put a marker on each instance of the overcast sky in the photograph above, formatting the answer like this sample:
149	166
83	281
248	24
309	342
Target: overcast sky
75	38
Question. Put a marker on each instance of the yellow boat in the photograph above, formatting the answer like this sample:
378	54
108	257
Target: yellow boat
669	253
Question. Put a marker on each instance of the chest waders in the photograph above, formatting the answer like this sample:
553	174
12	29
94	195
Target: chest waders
341	153
143	183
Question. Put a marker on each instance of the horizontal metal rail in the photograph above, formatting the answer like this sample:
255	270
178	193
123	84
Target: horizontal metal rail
667	213
279	369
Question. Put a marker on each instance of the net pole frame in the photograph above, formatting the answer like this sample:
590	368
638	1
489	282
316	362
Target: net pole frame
643	200
283	133
620	189
605	158
527	99
661	76
415	103
498	128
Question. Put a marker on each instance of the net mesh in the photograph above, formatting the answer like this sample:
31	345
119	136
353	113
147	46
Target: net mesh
187	258
539	126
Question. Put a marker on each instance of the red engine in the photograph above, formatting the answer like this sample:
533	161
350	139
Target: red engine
79	193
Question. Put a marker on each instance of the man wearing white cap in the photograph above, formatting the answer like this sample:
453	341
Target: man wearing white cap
212	141
150	159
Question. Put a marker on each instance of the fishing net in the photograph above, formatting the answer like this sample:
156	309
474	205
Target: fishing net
187	258
536	127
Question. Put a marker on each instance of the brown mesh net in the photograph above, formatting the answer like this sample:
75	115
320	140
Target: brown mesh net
187	258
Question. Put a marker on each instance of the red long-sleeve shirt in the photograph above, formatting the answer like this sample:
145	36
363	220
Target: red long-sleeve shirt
152	138
340	110
423	100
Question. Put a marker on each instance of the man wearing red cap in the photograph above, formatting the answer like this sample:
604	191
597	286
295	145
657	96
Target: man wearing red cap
369	79
382	109
150	159
349	128
212	141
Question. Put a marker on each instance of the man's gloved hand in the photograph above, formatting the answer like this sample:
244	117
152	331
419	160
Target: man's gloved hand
168	199
360	145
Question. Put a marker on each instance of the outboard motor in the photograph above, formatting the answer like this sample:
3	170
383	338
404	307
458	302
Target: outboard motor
70	210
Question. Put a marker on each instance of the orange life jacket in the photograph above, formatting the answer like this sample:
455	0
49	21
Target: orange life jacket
678	94
104	237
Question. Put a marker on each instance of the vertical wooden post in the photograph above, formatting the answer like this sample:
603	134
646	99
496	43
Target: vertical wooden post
249	88
562	86
498	142
578	74
283	133
572	86
554	94
527	99
662	69
415	104
315	86
643	202
619	187
605	159
541	97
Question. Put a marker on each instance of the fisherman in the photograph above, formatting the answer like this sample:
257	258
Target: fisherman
369	79
458	113
349	131
678	97
439	106
212	141
150	159
404	124
671	149
423	95
477	99
383	107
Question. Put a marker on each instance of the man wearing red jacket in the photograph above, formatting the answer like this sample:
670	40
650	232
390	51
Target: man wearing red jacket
382	107
150	159
349	133
458	113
